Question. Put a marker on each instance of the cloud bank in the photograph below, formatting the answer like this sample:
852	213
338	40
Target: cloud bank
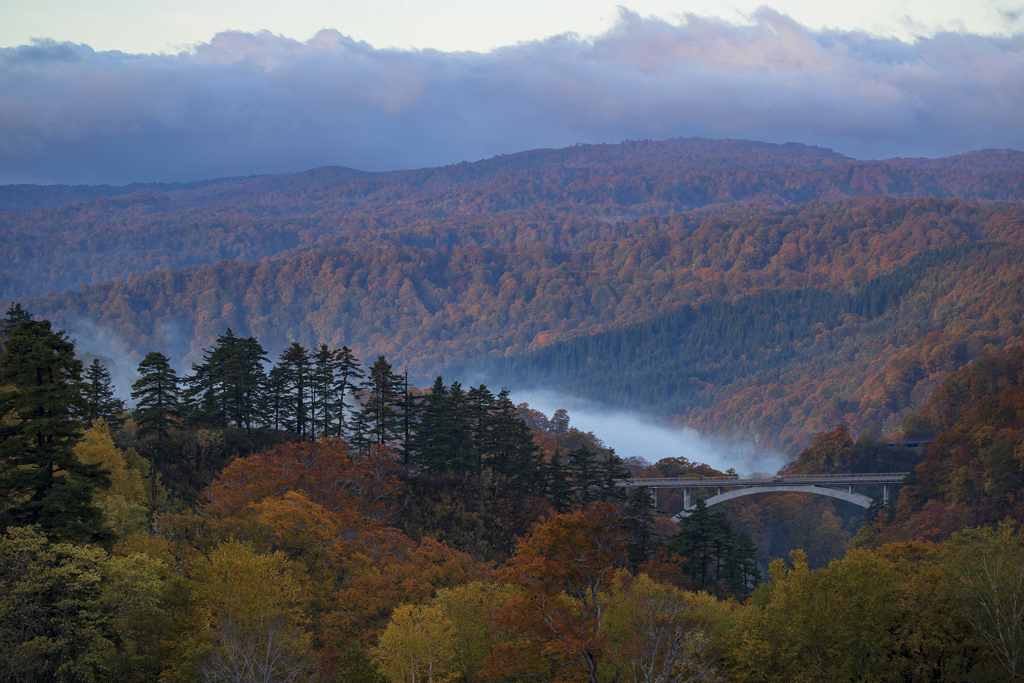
260	103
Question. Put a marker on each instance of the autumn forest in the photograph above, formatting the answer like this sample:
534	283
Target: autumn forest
265	428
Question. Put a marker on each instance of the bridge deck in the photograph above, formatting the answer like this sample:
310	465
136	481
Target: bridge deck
788	480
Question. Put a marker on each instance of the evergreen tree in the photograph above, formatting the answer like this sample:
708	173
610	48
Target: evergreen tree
15	316
225	389
408	410
324	403
510	450
41	480
383	392
557	489
99	394
156	396
247	382
295	375
349	373
272	403
638	518
584	475
716	554
479	412
156	399
430	443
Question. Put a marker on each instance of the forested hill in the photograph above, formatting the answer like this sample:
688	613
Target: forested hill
775	323
60	237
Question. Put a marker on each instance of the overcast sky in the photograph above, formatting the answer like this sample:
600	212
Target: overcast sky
142	91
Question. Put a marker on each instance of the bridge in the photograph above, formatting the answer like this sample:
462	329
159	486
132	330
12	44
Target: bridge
838	486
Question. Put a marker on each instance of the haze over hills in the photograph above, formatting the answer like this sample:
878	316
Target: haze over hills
740	287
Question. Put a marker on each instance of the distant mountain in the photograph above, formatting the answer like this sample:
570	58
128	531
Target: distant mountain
134	229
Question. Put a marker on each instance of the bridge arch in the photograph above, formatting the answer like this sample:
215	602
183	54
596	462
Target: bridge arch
855	498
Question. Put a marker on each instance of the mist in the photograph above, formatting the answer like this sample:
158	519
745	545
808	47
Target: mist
635	435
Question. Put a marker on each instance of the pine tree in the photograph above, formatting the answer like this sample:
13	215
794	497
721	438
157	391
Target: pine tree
296	375
510	450
247	380
584	475
41	480
383	391
272	403
430	444
99	394
408	410
225	389
557	489
156	396
15	316
349	373
324	403
638	518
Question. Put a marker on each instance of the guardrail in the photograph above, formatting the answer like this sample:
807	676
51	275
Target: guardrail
735	480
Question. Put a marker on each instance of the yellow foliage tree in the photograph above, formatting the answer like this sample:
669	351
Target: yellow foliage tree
254	609
418	646
125	503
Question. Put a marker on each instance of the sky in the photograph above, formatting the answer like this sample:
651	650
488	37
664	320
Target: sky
118	92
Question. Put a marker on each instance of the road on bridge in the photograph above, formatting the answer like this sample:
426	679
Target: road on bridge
831	485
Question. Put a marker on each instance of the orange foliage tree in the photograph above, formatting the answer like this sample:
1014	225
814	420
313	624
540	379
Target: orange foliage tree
567	569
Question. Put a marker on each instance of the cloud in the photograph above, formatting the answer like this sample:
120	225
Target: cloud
261	103
635	435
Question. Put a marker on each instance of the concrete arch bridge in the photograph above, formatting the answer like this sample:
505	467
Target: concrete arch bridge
839	486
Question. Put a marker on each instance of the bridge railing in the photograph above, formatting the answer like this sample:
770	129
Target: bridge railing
735	480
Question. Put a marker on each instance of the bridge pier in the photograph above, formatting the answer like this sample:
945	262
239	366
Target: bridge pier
721	490
654	495
885	493
850	488
686	498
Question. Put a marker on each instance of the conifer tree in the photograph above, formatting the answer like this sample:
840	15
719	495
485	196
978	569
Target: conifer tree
557	490
272	403
296	375
225	389
99	394
510	450
15	316
323	403
156	396
350	372
383	391
430	443
41	480
408	410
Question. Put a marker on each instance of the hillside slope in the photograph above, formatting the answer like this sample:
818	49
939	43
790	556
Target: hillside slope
247	219
767	322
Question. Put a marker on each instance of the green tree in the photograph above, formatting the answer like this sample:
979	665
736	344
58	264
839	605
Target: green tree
225	389
41	480
15	316
156	396
295	375
383	392
52	623
350	372
99	394
324	404
988	567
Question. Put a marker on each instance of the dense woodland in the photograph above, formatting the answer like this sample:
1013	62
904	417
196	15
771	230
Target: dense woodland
274	504
771	323
447	535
